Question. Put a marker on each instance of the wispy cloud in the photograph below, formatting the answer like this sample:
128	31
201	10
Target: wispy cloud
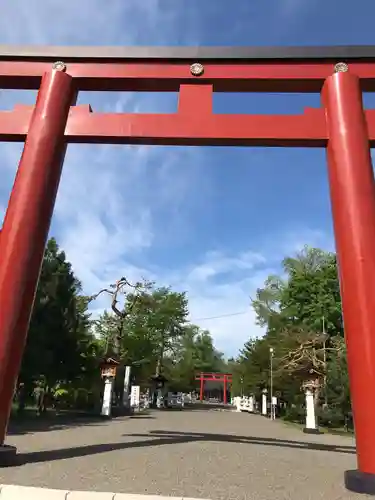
222	285
131	210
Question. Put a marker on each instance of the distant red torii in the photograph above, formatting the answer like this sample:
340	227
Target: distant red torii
216	377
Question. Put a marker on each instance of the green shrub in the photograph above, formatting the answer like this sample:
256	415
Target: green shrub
294	414
332	417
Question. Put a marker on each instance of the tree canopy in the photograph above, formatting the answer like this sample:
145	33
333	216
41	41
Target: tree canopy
301	314
146	326
59	342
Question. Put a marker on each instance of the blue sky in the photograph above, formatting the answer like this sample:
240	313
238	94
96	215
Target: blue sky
212	221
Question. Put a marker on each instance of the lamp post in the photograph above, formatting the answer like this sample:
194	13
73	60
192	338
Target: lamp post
325	338
272	407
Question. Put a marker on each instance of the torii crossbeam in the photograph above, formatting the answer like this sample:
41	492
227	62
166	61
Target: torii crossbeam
341	125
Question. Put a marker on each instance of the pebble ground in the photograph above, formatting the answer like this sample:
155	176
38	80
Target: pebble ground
218	455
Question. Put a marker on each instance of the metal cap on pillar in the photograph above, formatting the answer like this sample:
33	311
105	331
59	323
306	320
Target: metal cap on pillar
59	66
197	69
341	67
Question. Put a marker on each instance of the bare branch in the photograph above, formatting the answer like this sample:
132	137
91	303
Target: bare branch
94	297
114	290
307	355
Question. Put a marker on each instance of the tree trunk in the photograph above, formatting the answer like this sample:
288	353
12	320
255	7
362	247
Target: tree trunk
159	364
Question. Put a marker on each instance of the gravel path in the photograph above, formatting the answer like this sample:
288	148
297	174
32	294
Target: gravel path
209	454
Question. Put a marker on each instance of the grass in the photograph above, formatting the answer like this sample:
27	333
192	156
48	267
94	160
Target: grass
340	431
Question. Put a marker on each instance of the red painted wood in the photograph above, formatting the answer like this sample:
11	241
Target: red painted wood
200	129
351	179
195	101
26	225
184	128
214	377
201	390
217	377
187	127
237	77
342	126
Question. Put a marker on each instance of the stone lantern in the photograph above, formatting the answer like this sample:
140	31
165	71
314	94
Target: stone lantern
158	383
108	369
264	402
310	387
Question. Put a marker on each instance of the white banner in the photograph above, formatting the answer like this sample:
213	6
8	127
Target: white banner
135	395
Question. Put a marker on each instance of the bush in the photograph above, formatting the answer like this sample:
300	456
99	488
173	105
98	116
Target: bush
80	398
294	413
62	398
333	417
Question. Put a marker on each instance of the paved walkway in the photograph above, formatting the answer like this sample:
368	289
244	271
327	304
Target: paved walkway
208	454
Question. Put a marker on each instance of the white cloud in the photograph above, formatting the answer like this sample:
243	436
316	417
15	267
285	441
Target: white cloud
56	23
217	292
218	301
116	204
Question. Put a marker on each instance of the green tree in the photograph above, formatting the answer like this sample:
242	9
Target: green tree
146	332
312	292
158	316
194	353
59	345
302	316
337	377
309	292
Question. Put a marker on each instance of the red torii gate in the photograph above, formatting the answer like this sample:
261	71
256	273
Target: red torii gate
225	378
341	125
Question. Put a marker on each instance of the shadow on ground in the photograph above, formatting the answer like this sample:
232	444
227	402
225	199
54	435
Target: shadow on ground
160	438
31	423
207	406
141	416
52	421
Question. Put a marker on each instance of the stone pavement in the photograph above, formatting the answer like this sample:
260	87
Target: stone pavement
191	453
